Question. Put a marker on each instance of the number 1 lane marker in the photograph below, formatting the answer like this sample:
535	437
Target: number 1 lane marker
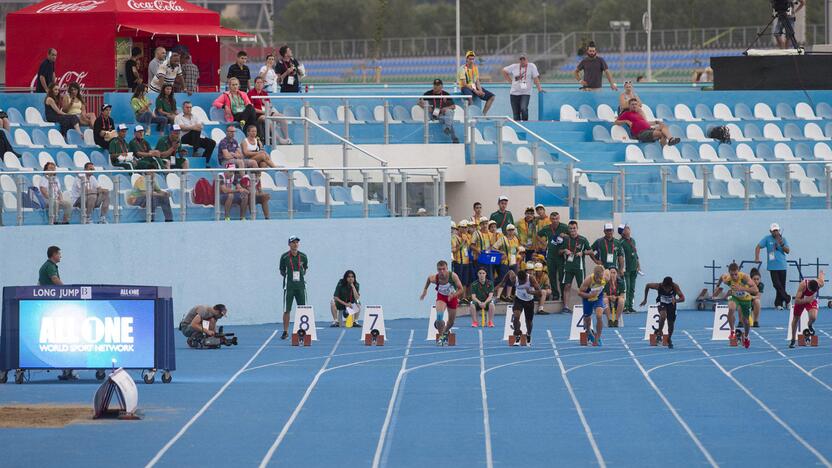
762	405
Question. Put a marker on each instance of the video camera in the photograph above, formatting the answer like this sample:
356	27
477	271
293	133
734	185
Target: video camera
220	339
781	6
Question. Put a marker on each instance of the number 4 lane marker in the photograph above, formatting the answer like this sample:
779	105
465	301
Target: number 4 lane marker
762	405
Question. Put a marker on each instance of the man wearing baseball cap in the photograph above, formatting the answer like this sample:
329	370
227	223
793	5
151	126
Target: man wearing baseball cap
440	108
171	151
120	155
777	247
293	266
608	250
520	76
147	158
104	129
468	78
502	216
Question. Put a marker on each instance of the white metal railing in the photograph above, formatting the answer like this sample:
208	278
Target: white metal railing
394	181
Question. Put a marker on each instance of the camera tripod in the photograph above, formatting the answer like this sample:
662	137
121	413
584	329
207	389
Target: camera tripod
783	17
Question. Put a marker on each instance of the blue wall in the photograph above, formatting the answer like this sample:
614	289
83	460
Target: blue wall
681	244
237	263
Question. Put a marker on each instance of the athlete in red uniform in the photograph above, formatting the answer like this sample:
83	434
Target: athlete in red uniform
806	299
448	290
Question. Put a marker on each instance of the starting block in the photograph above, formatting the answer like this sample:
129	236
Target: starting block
301	338
374	338
808	339
451	339
584	339
654	341
737	339
521	339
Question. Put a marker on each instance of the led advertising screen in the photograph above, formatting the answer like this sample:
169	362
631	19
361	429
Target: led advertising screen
86	334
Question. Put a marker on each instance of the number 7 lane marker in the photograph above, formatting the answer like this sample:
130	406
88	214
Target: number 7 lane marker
577	404
666	402
762	405
299	407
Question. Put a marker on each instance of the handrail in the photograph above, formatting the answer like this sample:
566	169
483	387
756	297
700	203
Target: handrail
222	169
718	163
331	133
396	96
529	131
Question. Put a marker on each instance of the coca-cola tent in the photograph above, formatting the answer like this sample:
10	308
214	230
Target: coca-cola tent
94	37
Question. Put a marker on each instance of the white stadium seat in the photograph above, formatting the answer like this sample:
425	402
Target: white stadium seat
33	117
671	153
821	151
682	112
570	114
648	112
201	116
708	153
606	113
736	132
56	139
784	152
813	131
619	134
694	132
804	111
634	154
723	112
762	111
21	138
773	132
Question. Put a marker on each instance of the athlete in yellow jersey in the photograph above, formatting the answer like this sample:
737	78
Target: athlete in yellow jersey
480	242
740	296
464	255
456	263
509	245
592	293
527	232
495	238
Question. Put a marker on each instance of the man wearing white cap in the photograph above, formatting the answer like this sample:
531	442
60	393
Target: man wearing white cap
631	265
521	75
293	266
147	158
502	216
120	155
171	151
777	247
608	250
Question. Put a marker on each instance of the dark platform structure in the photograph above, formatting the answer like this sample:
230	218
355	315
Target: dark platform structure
771	73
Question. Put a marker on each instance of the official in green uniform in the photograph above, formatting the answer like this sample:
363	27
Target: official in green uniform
554	234
171	147
502	216
608	250
573	249
48	274
631	264
293	266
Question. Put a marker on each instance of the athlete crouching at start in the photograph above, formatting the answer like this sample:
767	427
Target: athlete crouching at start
806	299
448	290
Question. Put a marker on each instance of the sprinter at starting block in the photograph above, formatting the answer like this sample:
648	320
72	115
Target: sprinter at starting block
806	299
740	297
592	293
668	295
448	290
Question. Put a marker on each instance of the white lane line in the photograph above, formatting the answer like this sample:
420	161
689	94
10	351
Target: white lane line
207	404
762	405
300	404
393	397
489	462
673	363
819	367
577	404
751	364
791	361
664	399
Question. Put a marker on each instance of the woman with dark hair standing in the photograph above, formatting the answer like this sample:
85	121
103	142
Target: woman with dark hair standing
289	71
345	300
54	113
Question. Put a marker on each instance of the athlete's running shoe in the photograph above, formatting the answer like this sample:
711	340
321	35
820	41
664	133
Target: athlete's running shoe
811	330
756	324
732	335
791	343
669	343
475	324
598	342
490	324
746	342
590	337
284	335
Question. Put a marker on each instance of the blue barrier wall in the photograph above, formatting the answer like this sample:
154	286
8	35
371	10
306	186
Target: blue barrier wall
237	263
681	244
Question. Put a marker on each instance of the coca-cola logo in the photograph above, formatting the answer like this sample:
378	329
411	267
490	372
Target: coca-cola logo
60	7
65	79
154	5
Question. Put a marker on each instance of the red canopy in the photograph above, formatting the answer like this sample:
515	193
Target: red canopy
93	38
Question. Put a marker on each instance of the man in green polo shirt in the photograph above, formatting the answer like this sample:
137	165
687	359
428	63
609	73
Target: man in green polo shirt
502	216
631	264
171	151
573	249
608	250
145	157
554	234
293	266
48	274
482	300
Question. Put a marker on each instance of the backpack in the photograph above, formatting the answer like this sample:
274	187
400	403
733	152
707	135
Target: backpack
720	133
203	193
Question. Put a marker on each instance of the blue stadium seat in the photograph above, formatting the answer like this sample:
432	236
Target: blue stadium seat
62	159
29	161
600	133
784	111
15	116
824	111
39	138
664	113
752	131
703	112
742	111
793	132
587	112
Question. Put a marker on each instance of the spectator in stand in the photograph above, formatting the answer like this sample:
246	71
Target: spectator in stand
253	150
141	107
192	129
642	130
236	104
153	66
171	151
260	197
120	155
519	75
232	192
73	104
104	128
46	72
230	152
168	73
502	216
5	123
166	104
131	69
468	78
441	109
624	98
289	71
260	109
57	202
593	67
268	74
158	198
55	114
97	197
190	74
146	158
240	71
